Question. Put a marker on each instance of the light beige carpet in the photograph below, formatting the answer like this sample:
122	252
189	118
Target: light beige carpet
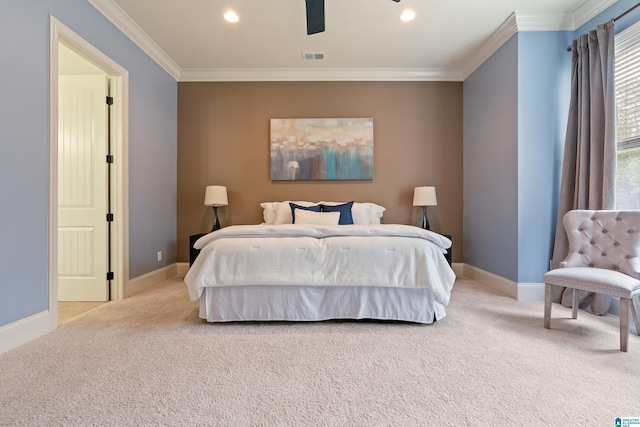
149	360
67	310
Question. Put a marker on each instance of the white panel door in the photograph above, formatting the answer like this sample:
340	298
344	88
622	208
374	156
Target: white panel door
82	188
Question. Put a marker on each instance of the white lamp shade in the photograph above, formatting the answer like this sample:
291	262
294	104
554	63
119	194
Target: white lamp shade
424	196
216	195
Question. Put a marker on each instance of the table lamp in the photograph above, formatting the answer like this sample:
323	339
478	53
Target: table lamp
423	197
216	195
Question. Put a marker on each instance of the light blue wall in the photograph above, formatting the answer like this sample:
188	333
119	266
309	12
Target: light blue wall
515	110
24	146
23	162
490	156
544	83
153	170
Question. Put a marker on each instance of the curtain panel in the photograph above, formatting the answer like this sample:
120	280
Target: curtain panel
589	162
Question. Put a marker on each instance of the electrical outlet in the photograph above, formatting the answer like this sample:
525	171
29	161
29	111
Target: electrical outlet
159	256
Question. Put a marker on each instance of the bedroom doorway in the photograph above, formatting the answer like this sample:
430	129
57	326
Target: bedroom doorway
83	190
88	222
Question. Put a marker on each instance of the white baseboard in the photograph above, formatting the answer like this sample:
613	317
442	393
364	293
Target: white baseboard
183	267
458	269
519	291
28	329
24	330
493	281
150	279
530	291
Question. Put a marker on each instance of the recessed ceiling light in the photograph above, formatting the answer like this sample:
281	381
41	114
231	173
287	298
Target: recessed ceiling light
408	15
231	16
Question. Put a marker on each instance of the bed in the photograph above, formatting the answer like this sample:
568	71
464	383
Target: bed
306	263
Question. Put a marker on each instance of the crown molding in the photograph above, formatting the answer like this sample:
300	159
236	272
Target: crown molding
517	21
504	32
589	10
537	21
324	74
124	23
533	21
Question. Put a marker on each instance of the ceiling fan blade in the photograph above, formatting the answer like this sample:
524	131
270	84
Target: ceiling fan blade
315	16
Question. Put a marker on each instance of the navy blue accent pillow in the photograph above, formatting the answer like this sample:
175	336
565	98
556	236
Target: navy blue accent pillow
314	208
345	212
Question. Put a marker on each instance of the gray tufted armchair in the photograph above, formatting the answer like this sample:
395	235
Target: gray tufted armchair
604	257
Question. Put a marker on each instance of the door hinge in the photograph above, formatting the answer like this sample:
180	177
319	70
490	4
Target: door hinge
109	158
109	100
109	217
110	275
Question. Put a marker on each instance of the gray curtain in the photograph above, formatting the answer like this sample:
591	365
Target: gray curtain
589	163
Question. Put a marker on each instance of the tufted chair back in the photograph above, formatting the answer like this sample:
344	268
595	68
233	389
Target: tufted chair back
604	239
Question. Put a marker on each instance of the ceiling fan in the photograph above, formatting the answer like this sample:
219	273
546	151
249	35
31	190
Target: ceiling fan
315	16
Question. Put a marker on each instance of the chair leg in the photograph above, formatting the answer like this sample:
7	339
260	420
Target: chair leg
547	306
624	323
634	311
574	304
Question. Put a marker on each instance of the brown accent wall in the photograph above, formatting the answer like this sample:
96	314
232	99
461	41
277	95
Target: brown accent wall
223	139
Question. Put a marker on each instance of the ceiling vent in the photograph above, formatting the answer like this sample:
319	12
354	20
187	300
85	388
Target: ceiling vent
312	56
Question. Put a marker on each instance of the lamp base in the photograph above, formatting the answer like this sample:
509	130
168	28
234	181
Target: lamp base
216	221
425	220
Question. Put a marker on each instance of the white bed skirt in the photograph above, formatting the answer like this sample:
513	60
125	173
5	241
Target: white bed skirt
315	303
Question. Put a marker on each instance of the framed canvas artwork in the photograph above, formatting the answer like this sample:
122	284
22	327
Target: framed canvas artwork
321	149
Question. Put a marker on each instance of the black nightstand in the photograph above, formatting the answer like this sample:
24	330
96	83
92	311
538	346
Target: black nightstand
193	252
447	255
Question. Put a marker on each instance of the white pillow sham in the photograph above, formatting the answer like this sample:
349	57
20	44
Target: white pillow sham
363	213
280	212
283	211
317	218
268	213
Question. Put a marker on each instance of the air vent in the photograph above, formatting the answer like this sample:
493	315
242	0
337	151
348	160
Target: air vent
312	56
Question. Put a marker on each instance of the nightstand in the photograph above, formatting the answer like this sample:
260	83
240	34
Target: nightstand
447	255
193	252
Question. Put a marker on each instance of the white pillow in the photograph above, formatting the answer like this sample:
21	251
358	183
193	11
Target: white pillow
375	213
268	212
280	212
283	211
304	216
363	213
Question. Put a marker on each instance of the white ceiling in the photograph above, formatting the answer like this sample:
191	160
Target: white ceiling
364	39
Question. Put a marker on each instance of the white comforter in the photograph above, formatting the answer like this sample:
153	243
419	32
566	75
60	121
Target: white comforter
389	255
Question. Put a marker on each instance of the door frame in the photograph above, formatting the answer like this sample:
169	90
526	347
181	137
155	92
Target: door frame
119	86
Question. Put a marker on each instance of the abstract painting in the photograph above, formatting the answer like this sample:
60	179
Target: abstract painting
322	149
